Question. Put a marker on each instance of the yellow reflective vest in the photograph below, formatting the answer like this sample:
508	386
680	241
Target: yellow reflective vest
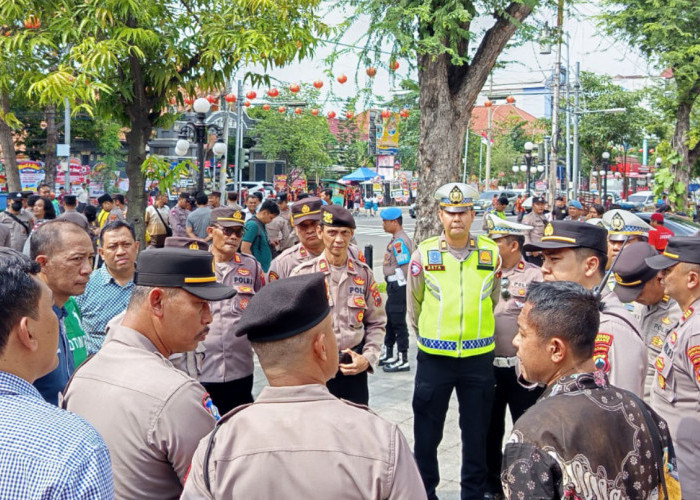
456	317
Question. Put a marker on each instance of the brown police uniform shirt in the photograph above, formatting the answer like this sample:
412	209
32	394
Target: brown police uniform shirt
619	349
302	442
676	395
283	265
416	281
356	305
507	311
395	248
654	323
538	222
150	414
18	232
226	356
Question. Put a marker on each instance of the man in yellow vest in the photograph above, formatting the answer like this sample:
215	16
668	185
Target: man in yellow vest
451	295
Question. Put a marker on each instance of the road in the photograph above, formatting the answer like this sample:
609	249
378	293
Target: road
391	393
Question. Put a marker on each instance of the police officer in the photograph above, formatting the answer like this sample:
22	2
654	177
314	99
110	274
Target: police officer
537	219
227	368
18	221
655	311
297	440
576	251
623	226
306	217
676	393
359	320
451	294
396	258
150	414
515	276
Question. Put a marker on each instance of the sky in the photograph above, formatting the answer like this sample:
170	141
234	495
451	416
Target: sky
594	50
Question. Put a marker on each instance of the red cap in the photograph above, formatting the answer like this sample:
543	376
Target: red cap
658	217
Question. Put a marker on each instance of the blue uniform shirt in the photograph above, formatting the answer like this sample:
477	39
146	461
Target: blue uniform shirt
54	382
46	452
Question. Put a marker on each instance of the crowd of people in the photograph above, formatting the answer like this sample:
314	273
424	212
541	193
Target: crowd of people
129	372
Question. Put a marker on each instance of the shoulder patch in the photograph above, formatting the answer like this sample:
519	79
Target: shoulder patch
210	407
415	268
273	276
601	348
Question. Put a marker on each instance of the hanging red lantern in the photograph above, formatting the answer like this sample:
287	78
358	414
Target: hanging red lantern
230	98
331	114
297	111
510	99
393	65
281	109
314	112
294	88
403	113
348	114
188	101
371	72
211	99
342	79
246	103
32	22
487	103
386	113
172	101
651	150
641	150
265	107
251	94
273	92
318	84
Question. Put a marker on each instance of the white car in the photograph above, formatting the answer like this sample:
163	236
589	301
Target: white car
267	188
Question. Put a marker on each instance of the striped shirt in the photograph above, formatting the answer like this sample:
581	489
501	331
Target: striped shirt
46	452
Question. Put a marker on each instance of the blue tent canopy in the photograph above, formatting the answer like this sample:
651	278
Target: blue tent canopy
362	174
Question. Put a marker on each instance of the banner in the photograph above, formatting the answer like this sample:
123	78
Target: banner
31	173
387	134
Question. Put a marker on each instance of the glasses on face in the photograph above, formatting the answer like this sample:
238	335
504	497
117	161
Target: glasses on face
504	288
229	231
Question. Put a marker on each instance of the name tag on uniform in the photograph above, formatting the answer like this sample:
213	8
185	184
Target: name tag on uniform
434	261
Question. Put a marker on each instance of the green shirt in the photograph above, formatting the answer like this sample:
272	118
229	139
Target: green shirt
256	235
74	332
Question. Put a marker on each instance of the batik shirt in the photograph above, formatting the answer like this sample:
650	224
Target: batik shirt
584	439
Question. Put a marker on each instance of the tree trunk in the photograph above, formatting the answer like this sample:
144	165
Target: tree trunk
50	161
679	141
137	138
7	144
447	96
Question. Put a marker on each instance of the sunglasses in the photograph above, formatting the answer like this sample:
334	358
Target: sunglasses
229	231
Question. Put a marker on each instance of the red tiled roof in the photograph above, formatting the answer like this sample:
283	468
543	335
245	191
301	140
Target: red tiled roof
501	115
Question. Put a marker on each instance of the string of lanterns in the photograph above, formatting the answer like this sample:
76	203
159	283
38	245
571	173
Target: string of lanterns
294	88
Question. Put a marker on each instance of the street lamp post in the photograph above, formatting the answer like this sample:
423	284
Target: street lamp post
197	131
528	162
606	158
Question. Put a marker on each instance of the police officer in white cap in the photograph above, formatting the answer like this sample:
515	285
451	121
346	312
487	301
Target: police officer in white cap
515	276
623	225
452	290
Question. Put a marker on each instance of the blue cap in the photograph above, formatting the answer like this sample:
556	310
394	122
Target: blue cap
391	213
576	204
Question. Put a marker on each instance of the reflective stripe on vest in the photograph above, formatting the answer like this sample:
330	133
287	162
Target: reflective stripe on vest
456	316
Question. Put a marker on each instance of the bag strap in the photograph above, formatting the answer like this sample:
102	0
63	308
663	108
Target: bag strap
17	219
160	217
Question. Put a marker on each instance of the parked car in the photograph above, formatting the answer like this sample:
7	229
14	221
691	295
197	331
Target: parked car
681	226
485	198
267	188
643	201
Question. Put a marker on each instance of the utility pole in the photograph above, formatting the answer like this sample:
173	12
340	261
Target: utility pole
224	159
487	175
66	125
466	154
239	138
555	108
577	89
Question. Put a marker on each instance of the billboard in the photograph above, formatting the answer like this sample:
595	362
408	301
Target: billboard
387	134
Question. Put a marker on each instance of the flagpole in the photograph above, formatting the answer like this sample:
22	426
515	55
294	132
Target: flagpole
481	149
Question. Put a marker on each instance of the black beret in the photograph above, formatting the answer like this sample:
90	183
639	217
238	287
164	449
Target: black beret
191	270
571	234
285	308
678	249
336	216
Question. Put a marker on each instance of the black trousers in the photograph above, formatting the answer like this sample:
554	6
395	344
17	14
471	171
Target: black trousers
473	380
518	399
351	387
227	395
396	328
